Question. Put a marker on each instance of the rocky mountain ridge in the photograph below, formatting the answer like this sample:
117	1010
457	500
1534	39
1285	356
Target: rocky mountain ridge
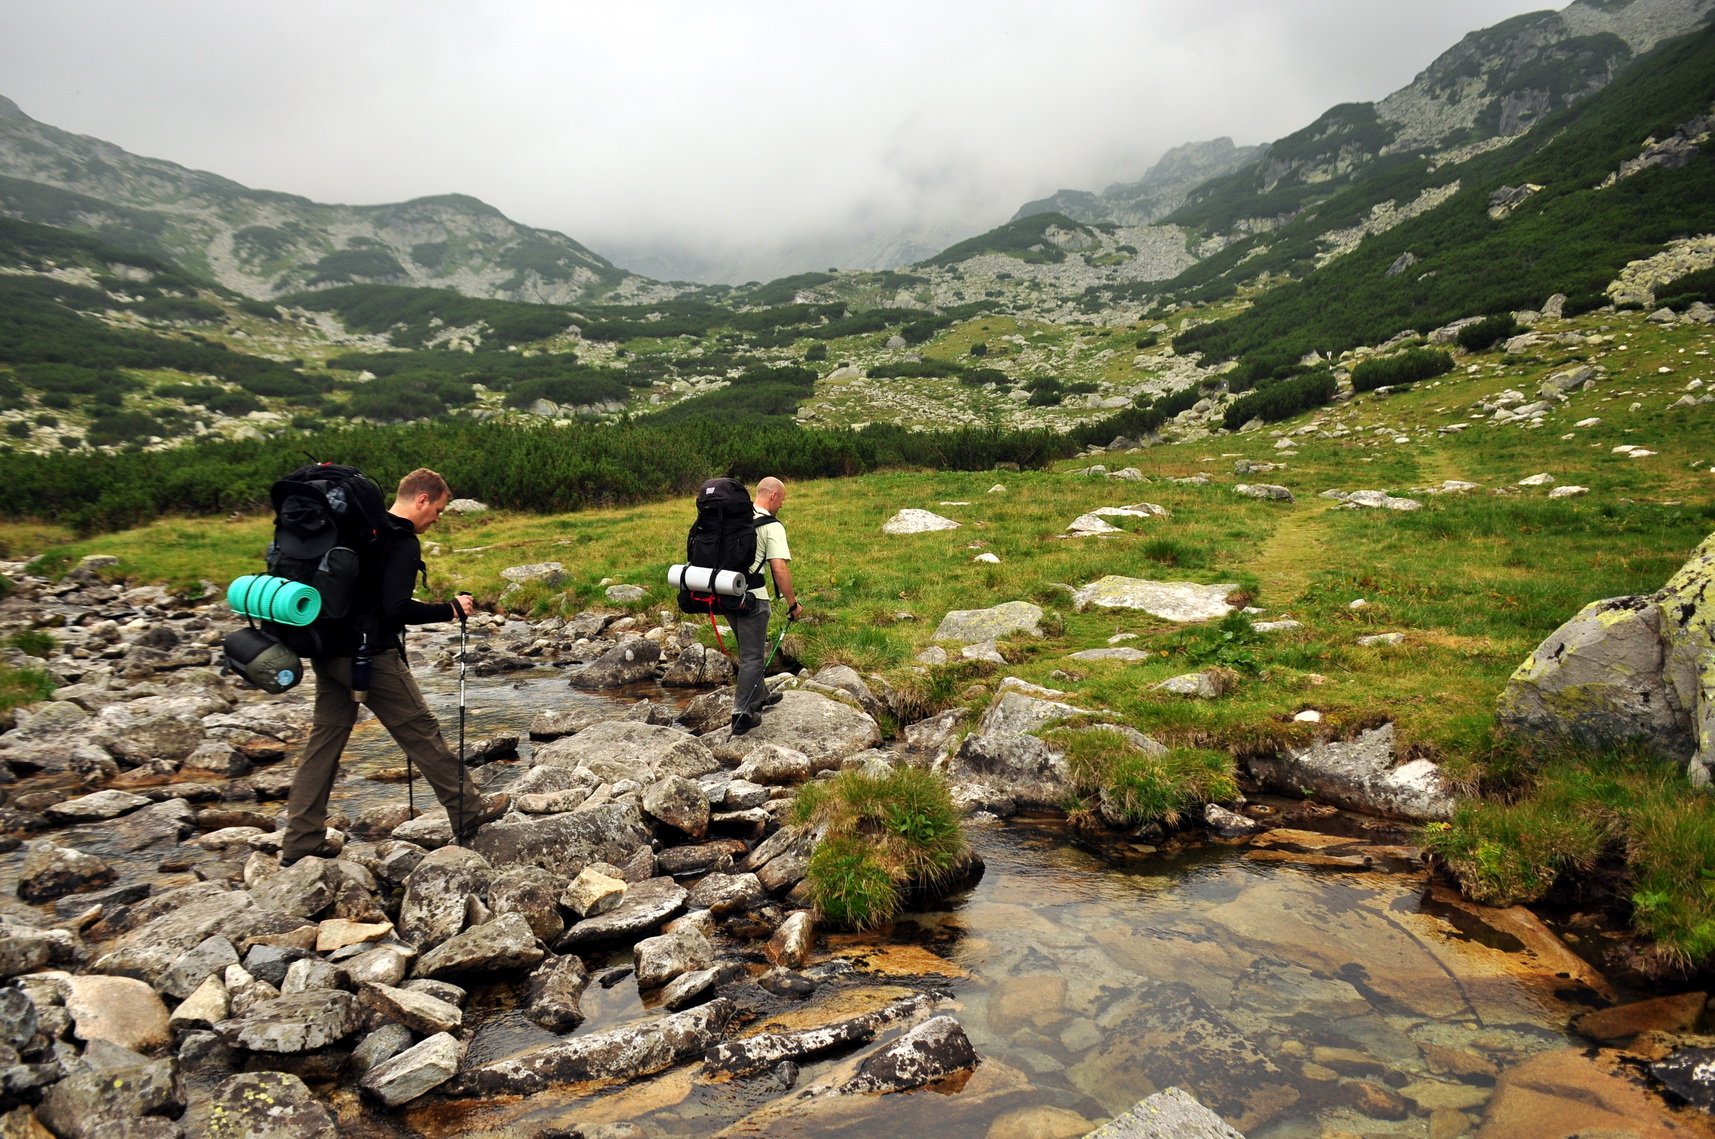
266	244
1157	194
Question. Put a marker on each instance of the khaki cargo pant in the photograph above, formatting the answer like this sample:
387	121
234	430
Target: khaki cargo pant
398	703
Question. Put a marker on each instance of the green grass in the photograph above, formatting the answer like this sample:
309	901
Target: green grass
882	837
1474	581
20	686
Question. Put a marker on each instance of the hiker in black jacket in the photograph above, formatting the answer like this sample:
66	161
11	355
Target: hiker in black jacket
383	607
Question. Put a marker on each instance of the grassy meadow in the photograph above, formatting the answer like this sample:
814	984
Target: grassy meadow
1473	581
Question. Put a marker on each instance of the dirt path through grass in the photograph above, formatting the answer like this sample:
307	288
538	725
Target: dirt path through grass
1298	549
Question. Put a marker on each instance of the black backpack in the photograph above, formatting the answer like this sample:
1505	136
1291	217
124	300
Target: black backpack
723	538
330	522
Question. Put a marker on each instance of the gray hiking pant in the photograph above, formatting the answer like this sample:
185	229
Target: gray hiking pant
398	703
751	629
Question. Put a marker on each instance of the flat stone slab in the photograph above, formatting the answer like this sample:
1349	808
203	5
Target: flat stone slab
913	521
973	626
645	906
1111	654
1181	601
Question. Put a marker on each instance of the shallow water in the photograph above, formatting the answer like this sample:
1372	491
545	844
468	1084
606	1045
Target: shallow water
1292	998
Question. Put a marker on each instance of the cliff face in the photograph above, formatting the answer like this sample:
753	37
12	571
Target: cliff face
264	244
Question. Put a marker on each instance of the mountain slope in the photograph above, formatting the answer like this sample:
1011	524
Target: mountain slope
265	244
1157	194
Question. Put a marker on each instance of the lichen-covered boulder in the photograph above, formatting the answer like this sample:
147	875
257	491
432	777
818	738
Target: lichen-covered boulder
1637	669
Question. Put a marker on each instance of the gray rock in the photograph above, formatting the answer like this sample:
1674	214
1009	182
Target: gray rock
419	1012
972	626
661	958
933	1050
680	804
1022	770
646	906
626	663
626	594
505	944
1271	492
296	1022
556	990
52	871
1122	653
616	750
208	958
772	763
699	666
532	893
792	941
267	1105
384	1043
564	844
1019	708
1360	775
95	807
1180	601
723	894
552	723
302	889
171	922
433	908
128	1097
825	730
688	989
1229	824
550	574
1627	670
1168	1114
416	1071
625	1053
1201	685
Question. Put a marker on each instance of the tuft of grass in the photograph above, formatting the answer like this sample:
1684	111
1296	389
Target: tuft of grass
20	686
881	837
33	642
1138	787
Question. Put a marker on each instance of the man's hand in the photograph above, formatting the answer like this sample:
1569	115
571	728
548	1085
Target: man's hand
796	610
464	604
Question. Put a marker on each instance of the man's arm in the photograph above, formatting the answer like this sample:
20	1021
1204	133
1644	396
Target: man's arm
398	582
782	572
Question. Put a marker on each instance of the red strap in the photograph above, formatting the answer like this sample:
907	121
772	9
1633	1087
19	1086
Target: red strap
711	600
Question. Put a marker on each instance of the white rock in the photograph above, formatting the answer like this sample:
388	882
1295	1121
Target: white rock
1543	479
912	521
1568	491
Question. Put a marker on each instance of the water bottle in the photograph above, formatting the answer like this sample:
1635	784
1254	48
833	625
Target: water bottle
361	667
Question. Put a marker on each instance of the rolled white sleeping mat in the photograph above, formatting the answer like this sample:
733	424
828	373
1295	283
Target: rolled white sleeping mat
701	579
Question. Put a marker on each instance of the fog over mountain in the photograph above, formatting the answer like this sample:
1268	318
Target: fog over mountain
710	142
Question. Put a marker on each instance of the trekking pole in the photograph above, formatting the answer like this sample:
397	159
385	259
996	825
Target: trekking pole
464	630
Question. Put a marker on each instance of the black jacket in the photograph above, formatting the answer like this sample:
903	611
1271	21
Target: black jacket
391	606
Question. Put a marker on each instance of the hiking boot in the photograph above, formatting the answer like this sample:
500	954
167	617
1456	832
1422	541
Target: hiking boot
326	848
493	806
744	721
772	699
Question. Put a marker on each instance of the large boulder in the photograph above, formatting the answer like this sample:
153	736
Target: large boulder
1628	670
625	1053
824	729
621	749
626	663
564	844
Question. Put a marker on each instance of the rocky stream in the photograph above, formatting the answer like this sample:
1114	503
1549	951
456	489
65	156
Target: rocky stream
630	952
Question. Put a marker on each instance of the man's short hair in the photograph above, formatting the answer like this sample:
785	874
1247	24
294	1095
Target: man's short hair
423	481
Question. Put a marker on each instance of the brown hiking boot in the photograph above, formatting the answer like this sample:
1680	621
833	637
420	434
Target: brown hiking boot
493	806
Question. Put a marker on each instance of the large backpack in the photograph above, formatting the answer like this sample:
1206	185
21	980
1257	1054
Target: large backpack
330	522
723	539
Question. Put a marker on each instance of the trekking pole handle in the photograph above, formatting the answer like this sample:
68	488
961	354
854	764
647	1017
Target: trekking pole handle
460	609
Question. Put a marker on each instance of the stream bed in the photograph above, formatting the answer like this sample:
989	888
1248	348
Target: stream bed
1309	984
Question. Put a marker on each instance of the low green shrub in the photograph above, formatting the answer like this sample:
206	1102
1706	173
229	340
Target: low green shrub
1282	399
20	686
1488	332
1401	369
33	642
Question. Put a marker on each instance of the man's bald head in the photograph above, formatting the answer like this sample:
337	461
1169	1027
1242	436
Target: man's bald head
770	494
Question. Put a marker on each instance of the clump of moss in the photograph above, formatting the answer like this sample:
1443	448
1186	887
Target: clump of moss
882	836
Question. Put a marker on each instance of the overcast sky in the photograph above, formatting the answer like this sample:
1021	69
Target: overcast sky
724	130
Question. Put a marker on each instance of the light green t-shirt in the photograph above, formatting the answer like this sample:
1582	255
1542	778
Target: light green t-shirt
770	544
